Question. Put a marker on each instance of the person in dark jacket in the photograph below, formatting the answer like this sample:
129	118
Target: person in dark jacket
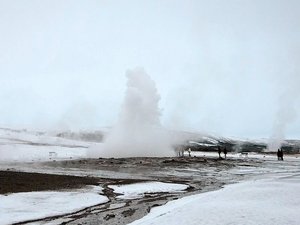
278	154
219	152
281	154
225	152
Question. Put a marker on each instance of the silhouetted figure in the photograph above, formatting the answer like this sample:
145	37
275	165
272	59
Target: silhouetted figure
189	151
281	154
225	152
278	154
219	152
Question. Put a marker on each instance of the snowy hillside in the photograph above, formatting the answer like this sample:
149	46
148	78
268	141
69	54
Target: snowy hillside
24	145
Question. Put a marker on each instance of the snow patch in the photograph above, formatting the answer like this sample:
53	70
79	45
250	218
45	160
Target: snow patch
138	190
268	202
19	207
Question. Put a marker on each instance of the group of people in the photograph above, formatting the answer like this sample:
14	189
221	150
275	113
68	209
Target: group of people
220	151
280	154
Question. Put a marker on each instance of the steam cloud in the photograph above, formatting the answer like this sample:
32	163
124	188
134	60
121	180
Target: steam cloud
138	132
287	112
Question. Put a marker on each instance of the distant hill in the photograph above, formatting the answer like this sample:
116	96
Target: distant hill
203	142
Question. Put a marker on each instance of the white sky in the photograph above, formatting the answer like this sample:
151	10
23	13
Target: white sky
220	66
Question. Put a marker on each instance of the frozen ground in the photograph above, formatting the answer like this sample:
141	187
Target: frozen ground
258	175
138	190
26	206
200	174
273	201
26	146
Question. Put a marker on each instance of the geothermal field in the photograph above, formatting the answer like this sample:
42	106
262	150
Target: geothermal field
150	112
139	172
50	179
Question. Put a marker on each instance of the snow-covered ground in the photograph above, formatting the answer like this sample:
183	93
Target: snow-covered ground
250	155
273	201
29	137
271	197
25	206
26	146
30	153
138	190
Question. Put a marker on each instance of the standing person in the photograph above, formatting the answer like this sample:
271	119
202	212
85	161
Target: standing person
189	151
219	152
278	154
225	152
281	154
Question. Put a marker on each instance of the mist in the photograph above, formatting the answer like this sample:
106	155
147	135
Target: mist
138	132
288	105
219	66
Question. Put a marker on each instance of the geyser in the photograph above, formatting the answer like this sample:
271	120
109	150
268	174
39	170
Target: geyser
288	107
138	132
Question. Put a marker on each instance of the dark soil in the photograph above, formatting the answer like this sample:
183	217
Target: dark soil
12	182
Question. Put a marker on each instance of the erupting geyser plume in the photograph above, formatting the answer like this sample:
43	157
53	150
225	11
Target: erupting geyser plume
138	132
285	116
287	111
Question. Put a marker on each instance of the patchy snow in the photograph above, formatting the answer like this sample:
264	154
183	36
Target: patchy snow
25	206
137	190
202	144
273	201
252	155
209	139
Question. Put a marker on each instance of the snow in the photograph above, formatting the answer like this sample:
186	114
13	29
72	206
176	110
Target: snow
274	201
250	155
25	206
27	153
27	146
211	140
29	137
202	144
137	190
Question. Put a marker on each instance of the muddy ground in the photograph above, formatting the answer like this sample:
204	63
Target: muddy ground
200	173
13	182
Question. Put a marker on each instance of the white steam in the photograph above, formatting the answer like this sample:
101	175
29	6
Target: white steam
285	116
288	109
138	132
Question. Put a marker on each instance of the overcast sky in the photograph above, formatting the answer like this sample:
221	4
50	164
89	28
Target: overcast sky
228	67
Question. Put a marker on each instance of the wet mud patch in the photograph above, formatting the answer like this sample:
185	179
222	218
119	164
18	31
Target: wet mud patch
13	182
